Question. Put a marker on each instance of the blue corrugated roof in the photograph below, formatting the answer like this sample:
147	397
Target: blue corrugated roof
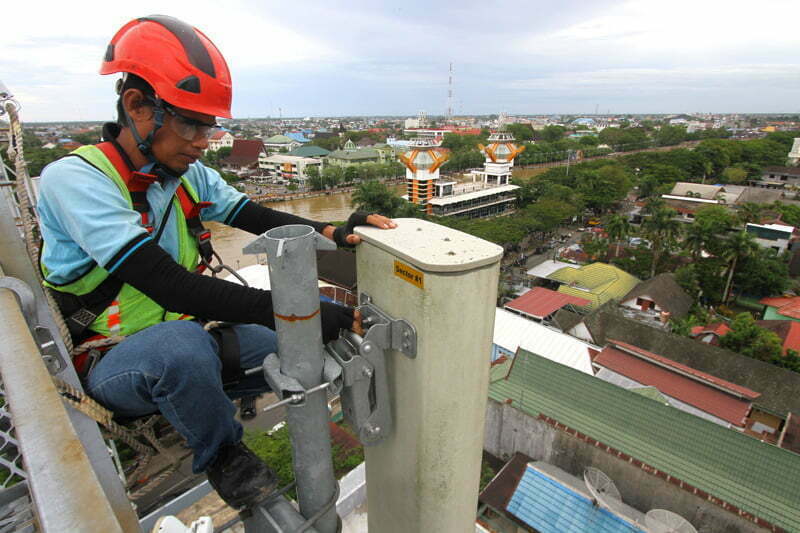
299	137
549	507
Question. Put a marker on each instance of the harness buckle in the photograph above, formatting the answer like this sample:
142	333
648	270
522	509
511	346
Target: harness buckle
194	212
140	181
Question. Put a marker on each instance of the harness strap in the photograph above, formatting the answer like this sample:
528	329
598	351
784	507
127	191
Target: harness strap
229	354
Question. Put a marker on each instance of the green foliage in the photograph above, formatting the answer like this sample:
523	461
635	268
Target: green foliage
751	340
670	135
790	213
551	133
504	231
376	197
38	158
548	213
734	175
521	132
762	273
604	187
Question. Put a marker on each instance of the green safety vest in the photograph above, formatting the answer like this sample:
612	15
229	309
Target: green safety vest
131	310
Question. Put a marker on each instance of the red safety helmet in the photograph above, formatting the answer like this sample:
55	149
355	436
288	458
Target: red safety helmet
181	64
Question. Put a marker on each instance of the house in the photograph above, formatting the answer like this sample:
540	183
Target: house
727	480
220	139
657	299
244	155
685	388
540	304
316	152
778	178
774	236
287	167
511	332
788	331
686	198
778	386
352	155
781	308
711	333
540	497
298	136
281	143
597	282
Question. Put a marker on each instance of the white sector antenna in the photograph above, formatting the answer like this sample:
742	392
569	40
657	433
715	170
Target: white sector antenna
663	521
601	487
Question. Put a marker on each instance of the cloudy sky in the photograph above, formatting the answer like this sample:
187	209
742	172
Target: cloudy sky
320	58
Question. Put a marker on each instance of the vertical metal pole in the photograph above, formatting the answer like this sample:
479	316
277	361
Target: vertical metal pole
291	253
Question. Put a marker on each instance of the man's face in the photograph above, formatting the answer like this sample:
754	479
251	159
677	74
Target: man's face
182	139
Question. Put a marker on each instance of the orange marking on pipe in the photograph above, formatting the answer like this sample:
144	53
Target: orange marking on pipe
295	318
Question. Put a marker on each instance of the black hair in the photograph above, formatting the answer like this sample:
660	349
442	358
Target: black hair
131	81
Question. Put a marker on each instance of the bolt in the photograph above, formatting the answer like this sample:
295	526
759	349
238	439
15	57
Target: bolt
451	253
447	239
406	345
373	430
366	348
367	372
406	334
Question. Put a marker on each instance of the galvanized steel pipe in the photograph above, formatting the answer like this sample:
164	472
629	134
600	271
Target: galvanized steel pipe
291	253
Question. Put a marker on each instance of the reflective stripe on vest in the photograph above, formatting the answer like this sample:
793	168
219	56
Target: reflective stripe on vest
133	310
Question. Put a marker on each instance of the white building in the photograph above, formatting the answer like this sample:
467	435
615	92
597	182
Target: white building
775	236
287	166
794	153
221	139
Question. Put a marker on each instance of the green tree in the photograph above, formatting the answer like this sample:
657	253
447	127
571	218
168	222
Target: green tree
332	175
315	180
521	132
670	135
548	213
750	213
737	246
749	339
376	197
552	133
604	187
662	230
596	248
618	228
762	273
734	175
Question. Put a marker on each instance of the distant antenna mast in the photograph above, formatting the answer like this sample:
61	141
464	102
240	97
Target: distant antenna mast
450	95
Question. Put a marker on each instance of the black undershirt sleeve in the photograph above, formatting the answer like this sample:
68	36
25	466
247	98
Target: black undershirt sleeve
155	273
257	219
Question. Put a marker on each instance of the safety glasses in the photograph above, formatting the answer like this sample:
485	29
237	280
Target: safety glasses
189	128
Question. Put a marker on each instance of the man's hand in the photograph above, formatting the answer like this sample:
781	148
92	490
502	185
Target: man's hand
357	327
346	237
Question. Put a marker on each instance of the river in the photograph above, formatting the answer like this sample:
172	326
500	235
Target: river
228	242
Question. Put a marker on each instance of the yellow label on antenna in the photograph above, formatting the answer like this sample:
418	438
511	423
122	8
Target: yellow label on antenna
409	274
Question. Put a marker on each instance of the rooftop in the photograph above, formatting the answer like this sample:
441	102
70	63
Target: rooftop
778	386
540	302
596	282
754	476
309	151
672	383
665	291
511	331
473	195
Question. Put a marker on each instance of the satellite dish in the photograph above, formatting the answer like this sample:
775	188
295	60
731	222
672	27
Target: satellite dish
601	487
663	521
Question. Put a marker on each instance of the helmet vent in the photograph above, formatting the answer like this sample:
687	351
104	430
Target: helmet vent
190	84
109	53
194	48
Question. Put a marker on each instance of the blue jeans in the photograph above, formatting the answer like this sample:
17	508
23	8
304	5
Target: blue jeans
173	367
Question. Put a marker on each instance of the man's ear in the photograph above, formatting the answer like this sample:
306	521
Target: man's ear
138	107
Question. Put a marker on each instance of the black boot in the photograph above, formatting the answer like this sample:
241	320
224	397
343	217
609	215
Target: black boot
239	476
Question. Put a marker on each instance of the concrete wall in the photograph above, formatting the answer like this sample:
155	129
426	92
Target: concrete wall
509	430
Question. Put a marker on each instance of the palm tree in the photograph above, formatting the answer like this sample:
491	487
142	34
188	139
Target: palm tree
737	246
695	240
750	212
618	228
662	229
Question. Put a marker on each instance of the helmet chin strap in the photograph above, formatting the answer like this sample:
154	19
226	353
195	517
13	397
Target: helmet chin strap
145	146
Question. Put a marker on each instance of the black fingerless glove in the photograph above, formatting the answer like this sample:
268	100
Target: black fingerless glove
334	317
340	234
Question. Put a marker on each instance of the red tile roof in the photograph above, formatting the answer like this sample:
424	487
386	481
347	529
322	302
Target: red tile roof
719	329
675	385
787	330
786	306
245	152
540	302
733	388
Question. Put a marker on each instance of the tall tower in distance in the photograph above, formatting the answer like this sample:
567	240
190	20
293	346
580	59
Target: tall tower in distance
449	117
422	162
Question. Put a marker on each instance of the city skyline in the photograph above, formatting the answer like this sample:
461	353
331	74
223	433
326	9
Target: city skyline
314	59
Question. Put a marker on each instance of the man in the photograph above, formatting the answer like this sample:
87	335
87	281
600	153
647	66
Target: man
123	242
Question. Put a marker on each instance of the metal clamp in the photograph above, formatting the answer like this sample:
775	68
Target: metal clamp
41	335
365	391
